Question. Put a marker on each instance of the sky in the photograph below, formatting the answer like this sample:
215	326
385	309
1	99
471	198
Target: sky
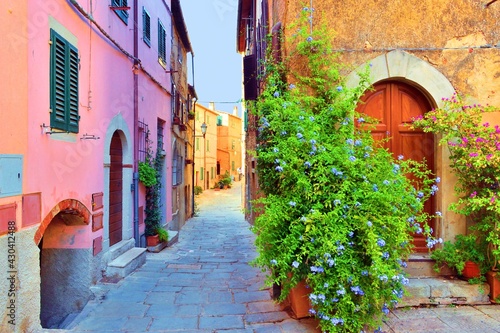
211	25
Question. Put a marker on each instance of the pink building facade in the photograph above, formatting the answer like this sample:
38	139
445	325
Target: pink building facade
87	90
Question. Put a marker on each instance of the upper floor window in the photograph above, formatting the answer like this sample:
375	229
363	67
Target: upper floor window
63	84
146	27
162	47
122	13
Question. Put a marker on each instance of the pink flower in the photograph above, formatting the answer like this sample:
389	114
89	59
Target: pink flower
465	140
492	199
486	124
489	156
473	194
473	154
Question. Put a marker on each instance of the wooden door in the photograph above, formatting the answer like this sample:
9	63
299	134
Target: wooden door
395	104
115	189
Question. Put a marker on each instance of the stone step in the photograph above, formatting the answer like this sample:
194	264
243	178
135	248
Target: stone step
120	248
173	237
444	291
127	262
420	265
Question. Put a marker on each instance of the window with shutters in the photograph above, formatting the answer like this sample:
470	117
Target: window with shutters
146	27
162	47
122	13
63	84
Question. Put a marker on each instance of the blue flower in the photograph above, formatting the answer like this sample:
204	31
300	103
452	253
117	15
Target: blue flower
299	135
364	272
305	9
349	141
279	168
274	262
339	88
357	290
284	133
369	223
301	117
385	255
313	142
386	182
337	321
383	278
438	180
366	155
292	203
307	164
400	157
385	309
352	158
434	189
358	143
295	264
311	118
420	194
276	94
375	187
291	86
380	242
336	202
351	234
276	150
439	214
309	39
361	120
330	262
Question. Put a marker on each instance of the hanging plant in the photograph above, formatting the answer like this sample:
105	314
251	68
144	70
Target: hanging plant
147	174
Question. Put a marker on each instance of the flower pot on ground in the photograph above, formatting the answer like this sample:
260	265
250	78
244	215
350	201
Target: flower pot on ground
299	300
152	240
493	279
471	270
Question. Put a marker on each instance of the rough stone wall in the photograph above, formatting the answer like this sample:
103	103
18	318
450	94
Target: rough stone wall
460	38
27	297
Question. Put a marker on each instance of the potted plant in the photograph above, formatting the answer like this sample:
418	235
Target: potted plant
337	212
465	255
191	115
474	147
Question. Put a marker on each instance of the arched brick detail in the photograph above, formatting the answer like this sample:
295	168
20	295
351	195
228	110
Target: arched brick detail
70	205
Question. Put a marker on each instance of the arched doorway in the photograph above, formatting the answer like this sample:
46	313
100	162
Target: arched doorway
115	189
395	104
65	262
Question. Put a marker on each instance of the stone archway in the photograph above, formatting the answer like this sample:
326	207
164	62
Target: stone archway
404	67
65	261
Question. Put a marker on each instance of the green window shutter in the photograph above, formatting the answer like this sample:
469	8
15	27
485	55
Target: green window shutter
162	51
146	27
197	144
219	120
63	84
201	173
122	14
245	121
232	166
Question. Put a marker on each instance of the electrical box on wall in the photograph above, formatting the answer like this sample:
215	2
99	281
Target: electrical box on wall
11	175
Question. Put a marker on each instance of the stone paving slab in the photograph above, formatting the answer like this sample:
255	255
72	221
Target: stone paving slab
204	284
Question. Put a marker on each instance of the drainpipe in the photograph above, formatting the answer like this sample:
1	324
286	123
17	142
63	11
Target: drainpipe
194	138
136	128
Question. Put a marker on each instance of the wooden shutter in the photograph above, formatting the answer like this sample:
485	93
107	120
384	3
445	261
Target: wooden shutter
161	42
250	77
146	27
63	85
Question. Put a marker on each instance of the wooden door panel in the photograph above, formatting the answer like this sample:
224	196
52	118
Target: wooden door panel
115	189
395	104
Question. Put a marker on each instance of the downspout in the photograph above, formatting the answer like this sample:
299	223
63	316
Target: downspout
194	137
136	128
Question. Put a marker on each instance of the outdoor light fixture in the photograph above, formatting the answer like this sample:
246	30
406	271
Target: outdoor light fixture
203	129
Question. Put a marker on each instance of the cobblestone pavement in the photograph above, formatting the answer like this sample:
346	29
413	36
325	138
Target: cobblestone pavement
204	283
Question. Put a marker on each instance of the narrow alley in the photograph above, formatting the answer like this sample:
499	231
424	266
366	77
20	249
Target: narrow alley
203	283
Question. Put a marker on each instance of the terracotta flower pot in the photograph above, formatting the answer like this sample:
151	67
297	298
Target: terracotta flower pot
299	300
152	240
471	270
493	279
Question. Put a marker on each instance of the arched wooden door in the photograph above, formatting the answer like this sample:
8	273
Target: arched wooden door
115	189
395	104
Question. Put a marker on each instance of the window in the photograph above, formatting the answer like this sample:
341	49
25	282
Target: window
146	27
179	52
233	166
162	47
219	120
197	144
123	13
208	145
233	145
177	162
63	84
201	173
